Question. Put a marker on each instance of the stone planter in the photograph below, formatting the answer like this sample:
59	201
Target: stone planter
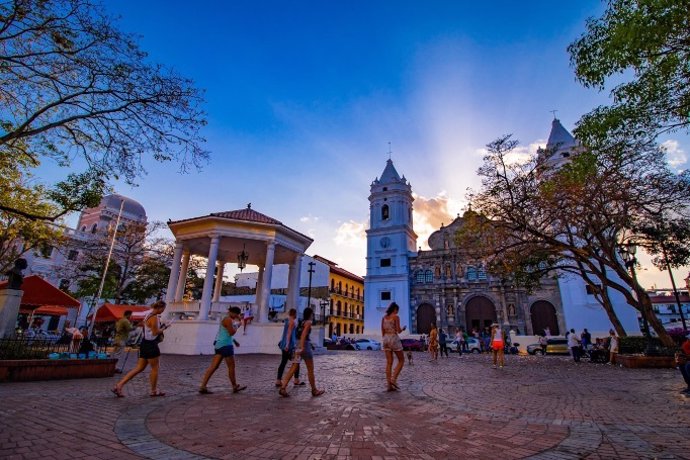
24	370
641	361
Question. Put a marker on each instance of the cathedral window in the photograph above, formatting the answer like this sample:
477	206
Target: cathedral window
385	262
94	228
385	295
385	212
419	276
471	274
481	274
428	277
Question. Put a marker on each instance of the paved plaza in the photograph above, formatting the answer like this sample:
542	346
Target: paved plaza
537	407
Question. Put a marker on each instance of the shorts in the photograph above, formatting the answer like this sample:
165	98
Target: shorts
307	353
496	346
226	352
149	349
392	342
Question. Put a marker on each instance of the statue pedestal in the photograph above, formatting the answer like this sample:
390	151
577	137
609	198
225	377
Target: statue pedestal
10	299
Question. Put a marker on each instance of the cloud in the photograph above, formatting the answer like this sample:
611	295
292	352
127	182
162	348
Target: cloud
308	218
430	213
521	153
351	234
675	155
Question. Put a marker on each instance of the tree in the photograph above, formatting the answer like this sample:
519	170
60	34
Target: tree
650	40
18	234
575	219
139	268
77	90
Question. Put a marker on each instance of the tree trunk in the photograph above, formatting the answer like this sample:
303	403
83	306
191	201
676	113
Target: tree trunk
645	304
605	302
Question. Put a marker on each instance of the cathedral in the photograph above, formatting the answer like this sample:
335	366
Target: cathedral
444	285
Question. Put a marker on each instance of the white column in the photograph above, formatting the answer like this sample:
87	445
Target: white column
293	282
266	282
174	273
182	281
208	281
219	281
259	284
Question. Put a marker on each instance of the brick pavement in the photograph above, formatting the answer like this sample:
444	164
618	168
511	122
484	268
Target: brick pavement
537	407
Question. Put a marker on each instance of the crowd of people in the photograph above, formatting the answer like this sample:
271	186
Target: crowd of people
296	347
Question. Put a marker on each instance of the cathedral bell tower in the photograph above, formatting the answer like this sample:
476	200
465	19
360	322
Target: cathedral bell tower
390	241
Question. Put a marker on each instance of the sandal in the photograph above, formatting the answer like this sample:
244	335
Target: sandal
299	384
117	392
157	394
316	393
283	392
205	391
239	388
395	385
278	385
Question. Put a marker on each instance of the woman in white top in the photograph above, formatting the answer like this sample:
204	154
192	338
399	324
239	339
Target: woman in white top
613	346
390	328
148	352
497	345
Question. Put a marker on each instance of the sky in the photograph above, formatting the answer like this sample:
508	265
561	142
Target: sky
303	99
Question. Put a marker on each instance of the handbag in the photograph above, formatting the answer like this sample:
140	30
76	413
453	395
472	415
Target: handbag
159	338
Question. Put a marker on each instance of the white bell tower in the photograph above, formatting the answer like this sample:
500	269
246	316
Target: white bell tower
390	241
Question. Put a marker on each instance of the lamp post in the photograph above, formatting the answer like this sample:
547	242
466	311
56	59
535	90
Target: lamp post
627	252
311	272
324	303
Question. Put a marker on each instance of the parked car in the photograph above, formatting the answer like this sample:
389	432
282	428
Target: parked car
331	345
367	344
557	347
535	349
473	345
413	345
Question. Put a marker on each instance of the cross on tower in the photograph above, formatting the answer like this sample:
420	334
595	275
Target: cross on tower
554	113
390	152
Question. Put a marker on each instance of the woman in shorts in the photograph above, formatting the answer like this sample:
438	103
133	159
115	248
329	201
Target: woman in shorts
148	351
224	350
433	342
303	352
390	328
497	345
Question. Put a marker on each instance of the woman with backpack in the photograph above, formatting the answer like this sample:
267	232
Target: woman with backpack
287	344
148	351
303	352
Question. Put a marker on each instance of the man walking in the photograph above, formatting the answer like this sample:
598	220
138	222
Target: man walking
123	327
574	345
442	341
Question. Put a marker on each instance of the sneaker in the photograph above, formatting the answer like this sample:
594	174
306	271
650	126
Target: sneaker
494	366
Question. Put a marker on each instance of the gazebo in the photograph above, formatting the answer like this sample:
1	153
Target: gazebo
241	237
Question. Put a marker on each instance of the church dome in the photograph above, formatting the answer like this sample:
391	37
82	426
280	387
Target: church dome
131	207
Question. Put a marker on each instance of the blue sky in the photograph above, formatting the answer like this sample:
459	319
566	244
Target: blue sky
303	98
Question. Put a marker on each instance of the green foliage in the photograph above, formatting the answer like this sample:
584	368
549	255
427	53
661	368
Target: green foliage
18	234
647	42
76	89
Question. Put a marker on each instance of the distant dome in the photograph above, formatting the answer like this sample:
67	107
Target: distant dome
131	206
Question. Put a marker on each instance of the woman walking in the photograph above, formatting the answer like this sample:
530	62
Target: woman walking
497	345
433	342
390	328
303	352
613	346
225	350
148	351
287	347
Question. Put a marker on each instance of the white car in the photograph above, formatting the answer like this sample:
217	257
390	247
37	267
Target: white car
367	344
473	345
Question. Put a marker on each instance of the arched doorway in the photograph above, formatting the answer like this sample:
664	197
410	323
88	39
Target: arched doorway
543	315
480	312
425	316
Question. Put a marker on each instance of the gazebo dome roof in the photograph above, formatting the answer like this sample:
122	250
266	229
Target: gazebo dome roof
247	214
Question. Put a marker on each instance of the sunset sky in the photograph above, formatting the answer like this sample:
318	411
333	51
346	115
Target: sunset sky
304	97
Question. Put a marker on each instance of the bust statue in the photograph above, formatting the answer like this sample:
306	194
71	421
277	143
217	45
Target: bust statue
14	276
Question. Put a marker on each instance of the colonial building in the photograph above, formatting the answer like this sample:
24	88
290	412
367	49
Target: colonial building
346	300
454	290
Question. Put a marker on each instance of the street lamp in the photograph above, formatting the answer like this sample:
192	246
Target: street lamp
627	252
242	258
311	272
324	303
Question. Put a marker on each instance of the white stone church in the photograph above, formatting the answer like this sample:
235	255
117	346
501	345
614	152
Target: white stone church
445	286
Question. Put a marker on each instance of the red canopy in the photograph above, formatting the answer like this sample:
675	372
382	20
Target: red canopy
110	312
52	310
39	292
